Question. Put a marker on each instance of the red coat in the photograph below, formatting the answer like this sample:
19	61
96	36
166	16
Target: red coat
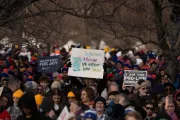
5	115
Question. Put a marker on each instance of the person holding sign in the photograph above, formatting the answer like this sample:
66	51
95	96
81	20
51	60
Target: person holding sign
142	87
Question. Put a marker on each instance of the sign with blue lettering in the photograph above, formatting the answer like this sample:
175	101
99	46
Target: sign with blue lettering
49	64
87	63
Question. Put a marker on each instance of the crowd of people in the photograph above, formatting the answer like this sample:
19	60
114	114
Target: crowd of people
28	94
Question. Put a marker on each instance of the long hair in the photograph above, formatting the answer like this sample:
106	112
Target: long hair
62	99
28	101
176	111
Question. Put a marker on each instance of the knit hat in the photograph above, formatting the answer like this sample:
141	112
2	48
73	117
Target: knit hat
18	94
90	115
56	84
121	62
142	83
64	69
71	94
4	75
177	94
31	85
136	66
110	75
100	99
39	99
128	64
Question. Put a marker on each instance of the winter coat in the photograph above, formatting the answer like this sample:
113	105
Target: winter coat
36	117
4	115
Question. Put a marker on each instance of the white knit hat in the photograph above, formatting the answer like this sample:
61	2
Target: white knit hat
56	84
142	83
31	85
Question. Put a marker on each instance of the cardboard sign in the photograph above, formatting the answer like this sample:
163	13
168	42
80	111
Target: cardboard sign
1	90
49	64
132	76
63	114
87	63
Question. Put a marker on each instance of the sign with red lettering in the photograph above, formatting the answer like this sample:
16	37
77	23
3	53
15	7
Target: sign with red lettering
63	114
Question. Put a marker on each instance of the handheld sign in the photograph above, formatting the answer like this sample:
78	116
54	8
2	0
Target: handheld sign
87	63
1	90
63	114
133	76
48	64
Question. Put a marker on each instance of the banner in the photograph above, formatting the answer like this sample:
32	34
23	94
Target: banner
87	63
49	64
63	114
132	76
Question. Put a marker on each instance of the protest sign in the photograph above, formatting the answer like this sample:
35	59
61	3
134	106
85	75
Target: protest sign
87	63
63	114
49	64
132	76
1	90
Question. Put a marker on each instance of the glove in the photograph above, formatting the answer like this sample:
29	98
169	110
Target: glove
69	64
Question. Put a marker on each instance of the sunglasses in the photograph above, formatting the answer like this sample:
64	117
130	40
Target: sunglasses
149	108
145	88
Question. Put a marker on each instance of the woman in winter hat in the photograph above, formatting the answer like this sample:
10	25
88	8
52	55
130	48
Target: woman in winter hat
14	110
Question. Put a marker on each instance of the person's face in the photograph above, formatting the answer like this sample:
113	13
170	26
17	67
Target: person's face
162	73
88	81
27	111
135	68
164	80
44	84
154	66
56	99
99	106
84	96
94	89
3	101
71	99
169	90
121	100
149	109
65	74
119	66
4	83
178	101
131	118
169	107
143	90
112	88
24	77
110	81
74	107
15	100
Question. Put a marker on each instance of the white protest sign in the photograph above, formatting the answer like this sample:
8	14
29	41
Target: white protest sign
63	114
133	76
1	90
87	63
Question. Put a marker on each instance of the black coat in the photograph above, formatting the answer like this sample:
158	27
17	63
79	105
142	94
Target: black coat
37	117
